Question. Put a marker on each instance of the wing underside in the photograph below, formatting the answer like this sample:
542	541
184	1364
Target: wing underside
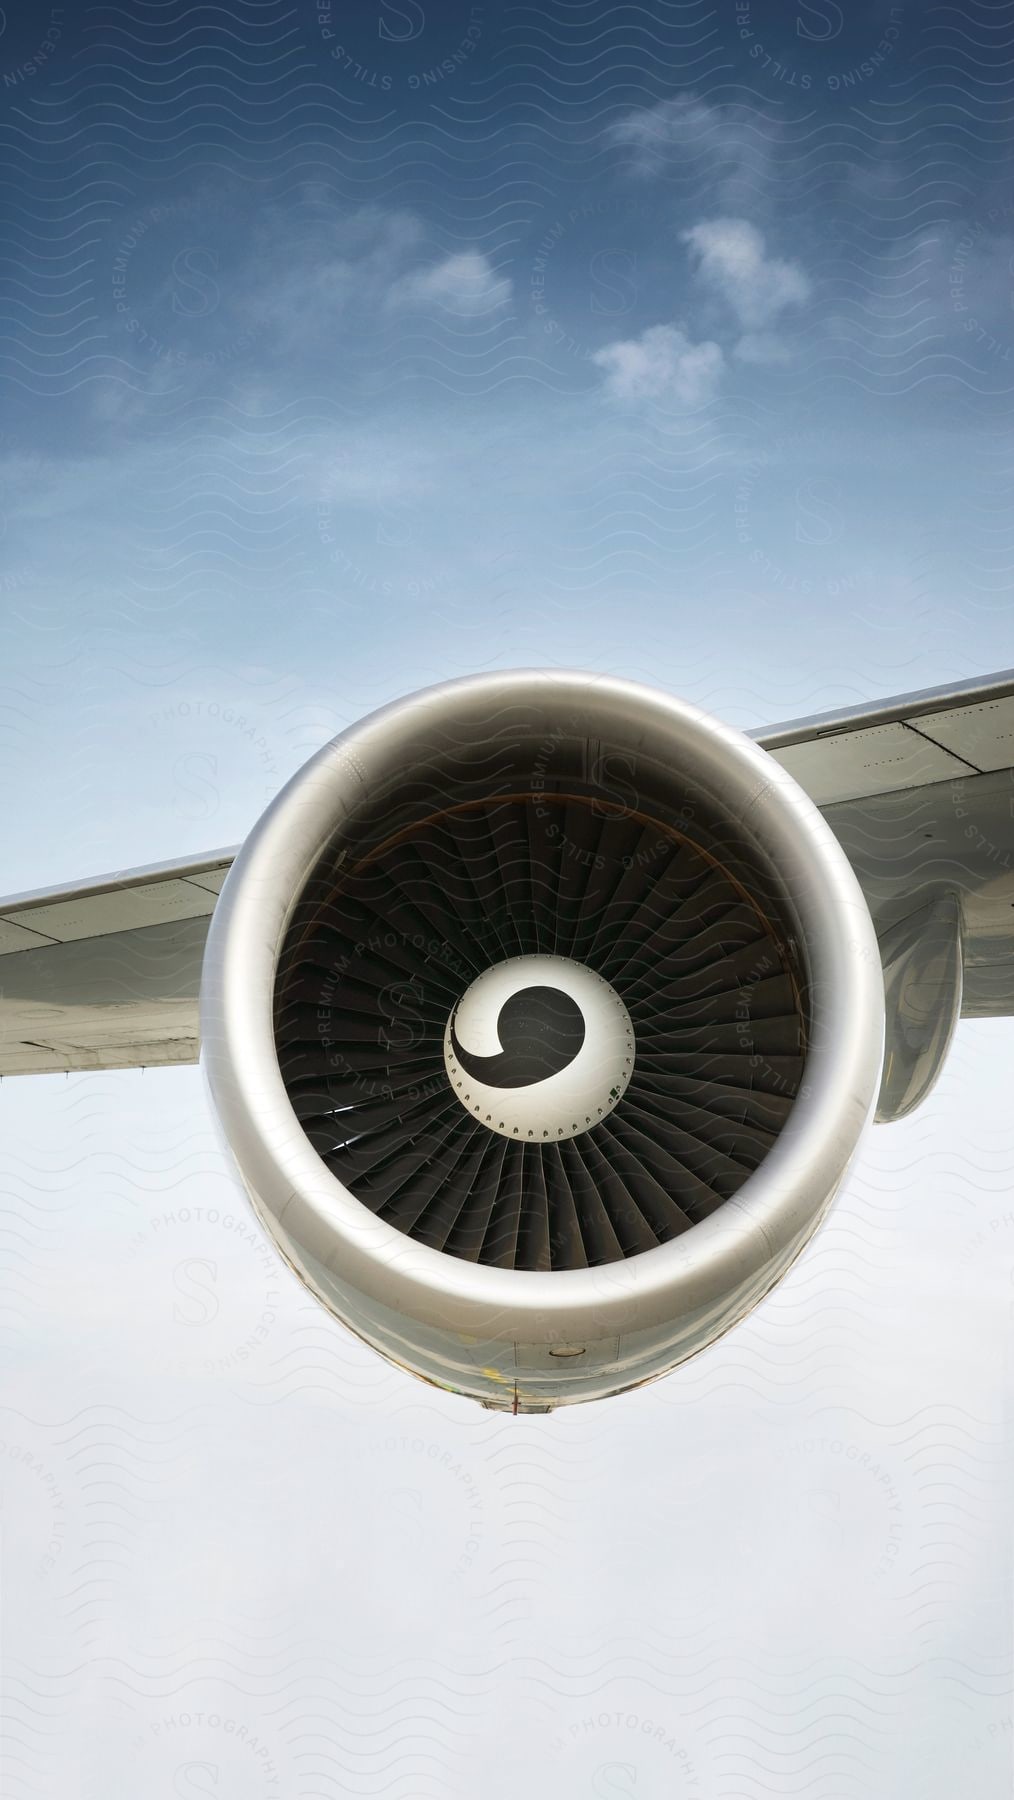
105	975
919	791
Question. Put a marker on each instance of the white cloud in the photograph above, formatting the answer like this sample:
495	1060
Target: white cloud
661	364
732	258
466	284
728	144
369	260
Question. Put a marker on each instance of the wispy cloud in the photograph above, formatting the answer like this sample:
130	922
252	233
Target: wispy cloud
732	258
297	290
465	284
662	364
729	146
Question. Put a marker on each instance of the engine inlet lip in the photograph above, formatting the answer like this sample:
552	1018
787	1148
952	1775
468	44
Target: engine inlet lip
749	1240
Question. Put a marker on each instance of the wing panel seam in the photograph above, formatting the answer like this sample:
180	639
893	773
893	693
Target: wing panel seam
956	754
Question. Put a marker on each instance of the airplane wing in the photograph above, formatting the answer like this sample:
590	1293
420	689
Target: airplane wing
918	789
104	974
920	793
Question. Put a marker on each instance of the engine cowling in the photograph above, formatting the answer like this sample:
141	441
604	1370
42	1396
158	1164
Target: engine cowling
543	1015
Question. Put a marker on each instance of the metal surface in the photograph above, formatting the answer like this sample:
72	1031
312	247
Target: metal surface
953	838
911	837
979	690
122	1001
852	765
207	871
426	897
105	974
550	1102
482	1329
918	792
923	967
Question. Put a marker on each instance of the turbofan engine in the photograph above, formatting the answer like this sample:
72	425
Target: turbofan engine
543	1015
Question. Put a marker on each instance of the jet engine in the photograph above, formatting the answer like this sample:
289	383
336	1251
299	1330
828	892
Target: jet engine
543	1015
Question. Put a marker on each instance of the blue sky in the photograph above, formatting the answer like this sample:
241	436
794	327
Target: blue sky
344	350
614	345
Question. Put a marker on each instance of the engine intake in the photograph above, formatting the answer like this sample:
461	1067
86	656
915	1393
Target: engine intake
543	1015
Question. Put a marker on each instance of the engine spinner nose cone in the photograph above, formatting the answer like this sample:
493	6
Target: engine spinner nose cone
539	1048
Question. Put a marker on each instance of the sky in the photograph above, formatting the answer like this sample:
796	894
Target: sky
347	348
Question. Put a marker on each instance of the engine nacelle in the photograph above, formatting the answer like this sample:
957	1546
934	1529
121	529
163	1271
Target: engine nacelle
543	1015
